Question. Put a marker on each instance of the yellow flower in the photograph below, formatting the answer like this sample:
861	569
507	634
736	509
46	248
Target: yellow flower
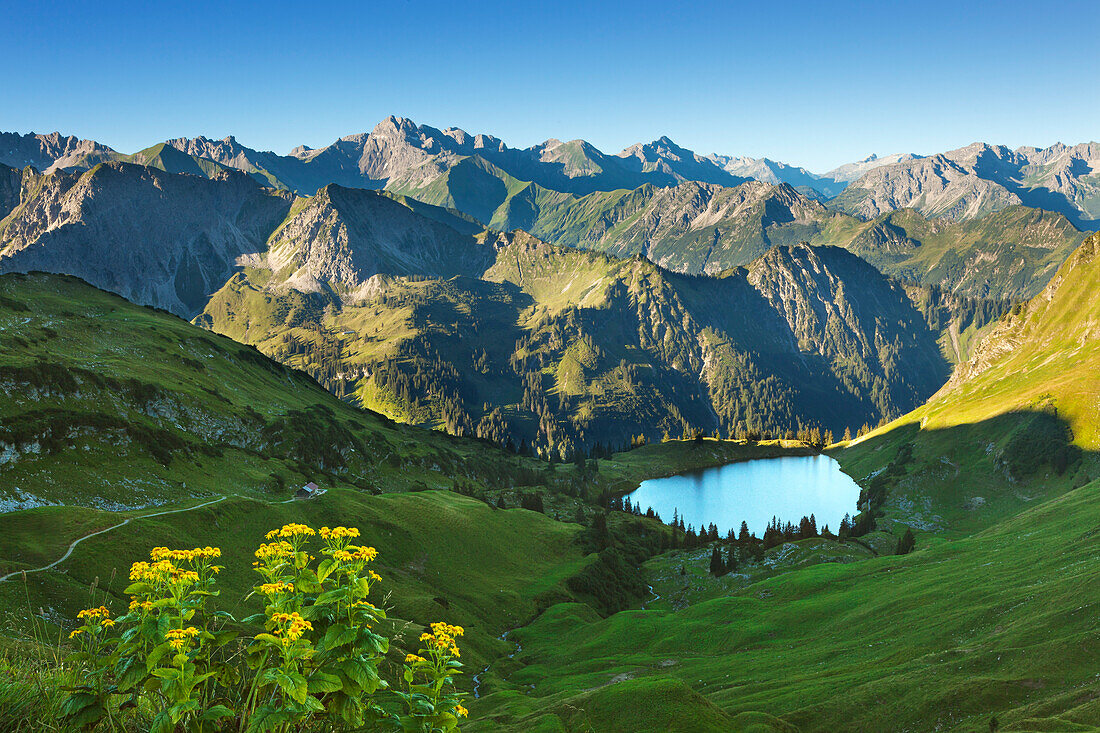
198	553
275	550
138	570
107	622
293	626
374	576
180	638
338	533
412	659
292	530
446	629
353	554
442	638
75	633
270	589
461	711
94	613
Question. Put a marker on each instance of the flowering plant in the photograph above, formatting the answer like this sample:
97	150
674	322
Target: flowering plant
314	664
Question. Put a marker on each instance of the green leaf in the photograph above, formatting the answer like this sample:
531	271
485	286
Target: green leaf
268	639
221	638
293	684
217	712
82	708
362	587
321	682
162	723
331	596
138	588
131	674
336	636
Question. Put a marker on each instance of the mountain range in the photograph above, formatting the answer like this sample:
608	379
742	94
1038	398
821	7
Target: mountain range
388	300
402	156
739	305
948	303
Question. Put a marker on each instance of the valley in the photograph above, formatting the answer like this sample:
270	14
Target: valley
477	351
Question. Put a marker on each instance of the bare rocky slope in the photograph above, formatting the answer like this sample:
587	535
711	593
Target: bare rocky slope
153	237
980	178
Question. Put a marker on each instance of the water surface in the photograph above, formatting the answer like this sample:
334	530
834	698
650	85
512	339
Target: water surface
754	491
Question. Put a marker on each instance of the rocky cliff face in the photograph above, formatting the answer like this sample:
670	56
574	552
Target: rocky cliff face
864	325
153	237
51	152
11	184
978	179
341	237
690	227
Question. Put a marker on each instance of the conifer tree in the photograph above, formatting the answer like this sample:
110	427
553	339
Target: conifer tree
731	559
906	543
716	564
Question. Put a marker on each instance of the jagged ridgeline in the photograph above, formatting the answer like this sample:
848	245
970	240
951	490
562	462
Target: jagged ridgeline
418	312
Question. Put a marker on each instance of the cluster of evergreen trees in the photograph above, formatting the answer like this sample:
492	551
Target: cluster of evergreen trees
746	544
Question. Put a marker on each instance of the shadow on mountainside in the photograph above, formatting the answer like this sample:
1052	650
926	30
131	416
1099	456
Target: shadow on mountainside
961	479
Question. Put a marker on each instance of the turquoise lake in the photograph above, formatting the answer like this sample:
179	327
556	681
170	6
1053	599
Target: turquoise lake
754	491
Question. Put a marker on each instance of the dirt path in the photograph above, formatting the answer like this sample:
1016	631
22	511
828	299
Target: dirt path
76	542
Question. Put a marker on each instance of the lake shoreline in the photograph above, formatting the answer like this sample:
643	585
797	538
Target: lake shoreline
758	491
731	452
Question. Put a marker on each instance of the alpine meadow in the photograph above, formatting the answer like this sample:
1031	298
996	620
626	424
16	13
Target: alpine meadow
426	431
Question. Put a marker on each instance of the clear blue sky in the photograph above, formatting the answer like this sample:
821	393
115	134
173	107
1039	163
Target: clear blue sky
815	84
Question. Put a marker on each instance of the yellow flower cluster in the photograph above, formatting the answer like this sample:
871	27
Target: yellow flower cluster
198	553
138	570
75	632
179	638
461	711
291	530
162	571
135	604
270	589
92	617
275	550
413	658
293	626
353	554
442	638
94	613
338	533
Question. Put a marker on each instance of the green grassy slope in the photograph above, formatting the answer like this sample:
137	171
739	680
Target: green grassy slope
167	158
88	379
114	412
1009	428
993	616
945	638
442	555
